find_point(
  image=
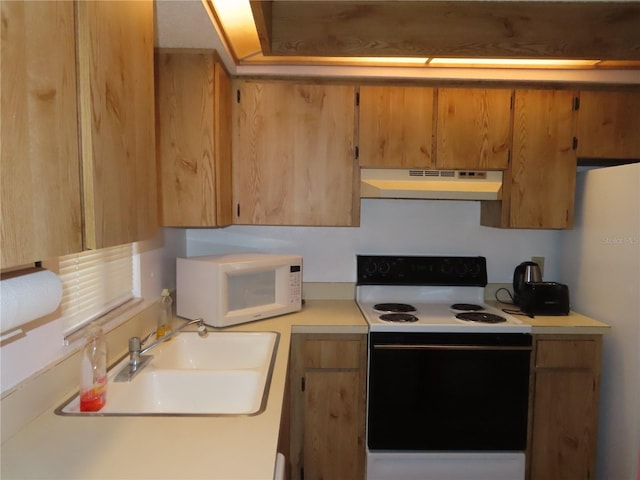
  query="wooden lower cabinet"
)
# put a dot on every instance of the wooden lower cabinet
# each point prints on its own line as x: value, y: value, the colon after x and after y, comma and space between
x: 327, y: 393
x: 566, y: 385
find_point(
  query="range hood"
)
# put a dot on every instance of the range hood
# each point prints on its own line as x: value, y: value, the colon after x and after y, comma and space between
x: 430, y: 184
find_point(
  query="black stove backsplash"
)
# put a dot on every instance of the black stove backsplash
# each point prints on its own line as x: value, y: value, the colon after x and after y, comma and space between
x: 421, y: 270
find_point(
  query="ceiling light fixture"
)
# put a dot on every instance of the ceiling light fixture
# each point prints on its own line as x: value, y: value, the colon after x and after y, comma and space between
x: 511, y: 62
x: 236, y: 20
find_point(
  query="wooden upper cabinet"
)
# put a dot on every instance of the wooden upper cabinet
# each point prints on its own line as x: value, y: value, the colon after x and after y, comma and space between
x: 40, y: 166
x: 538, y: 188
x: 473, y: 128
x: 115, y: 65
x: 396, y: 127
x: 609, y: 125
x: 293, y: 154
x: 193, y: 103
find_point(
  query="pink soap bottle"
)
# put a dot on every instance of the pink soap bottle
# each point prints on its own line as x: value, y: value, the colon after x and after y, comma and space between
x: 93, y: 371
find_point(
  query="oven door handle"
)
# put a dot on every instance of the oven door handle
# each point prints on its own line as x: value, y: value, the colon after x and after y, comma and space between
x: 451, y: 347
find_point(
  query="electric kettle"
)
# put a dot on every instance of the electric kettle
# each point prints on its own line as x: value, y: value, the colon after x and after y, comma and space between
x: 526, y: 272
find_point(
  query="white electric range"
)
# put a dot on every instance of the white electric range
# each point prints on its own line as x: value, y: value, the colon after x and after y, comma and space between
x: 433, y: 309
x: 448, y: 375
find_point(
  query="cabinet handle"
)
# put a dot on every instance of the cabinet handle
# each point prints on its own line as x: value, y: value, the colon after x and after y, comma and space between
x: 576, y: 104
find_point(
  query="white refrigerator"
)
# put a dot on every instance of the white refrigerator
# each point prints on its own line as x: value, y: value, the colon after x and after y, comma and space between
x: 600, y: 261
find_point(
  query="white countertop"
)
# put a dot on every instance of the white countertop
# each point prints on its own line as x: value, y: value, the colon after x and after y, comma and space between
x: 218, y: 448
x: 222, y: 448
x: 571, y: 324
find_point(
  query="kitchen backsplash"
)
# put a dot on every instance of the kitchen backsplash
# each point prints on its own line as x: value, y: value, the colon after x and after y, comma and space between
x: 426, y: 227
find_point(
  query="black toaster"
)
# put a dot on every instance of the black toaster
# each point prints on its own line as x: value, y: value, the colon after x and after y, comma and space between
x: 544, y: 298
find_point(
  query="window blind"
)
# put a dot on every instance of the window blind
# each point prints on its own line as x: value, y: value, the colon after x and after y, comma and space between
x: 94, y: 283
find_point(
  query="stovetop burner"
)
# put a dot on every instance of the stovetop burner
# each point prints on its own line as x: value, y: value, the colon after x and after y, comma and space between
x: 466, y: 307
x: 394, y: 307
x: 481, y: 317
x: 399, y: 317
x: 438, y: 294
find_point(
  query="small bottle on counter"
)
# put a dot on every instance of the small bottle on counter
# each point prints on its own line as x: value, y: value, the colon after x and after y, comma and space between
x: 166, y: 313
x: 93, y: 371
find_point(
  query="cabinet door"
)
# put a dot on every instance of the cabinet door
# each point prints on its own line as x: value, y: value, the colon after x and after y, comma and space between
x: 396, y: 127
x: 294, y: 154
x: 608, y: 125
x: 194, y: 146
x: 328, y: 406
x: 40, y: 167
x: 473, y: 128
x: 115, y: 65
x: 538, y: 189
x: 565, y: 408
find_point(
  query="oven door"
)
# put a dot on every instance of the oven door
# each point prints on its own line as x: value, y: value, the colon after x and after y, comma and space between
x: 440, y: 392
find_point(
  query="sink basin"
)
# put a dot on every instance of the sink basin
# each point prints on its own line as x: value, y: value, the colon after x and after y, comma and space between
x: 196, y: 392
x: 218, y: 351
x: 226, y: 373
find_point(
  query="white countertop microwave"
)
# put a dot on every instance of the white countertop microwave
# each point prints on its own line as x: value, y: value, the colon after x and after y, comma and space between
x: 230, y: 289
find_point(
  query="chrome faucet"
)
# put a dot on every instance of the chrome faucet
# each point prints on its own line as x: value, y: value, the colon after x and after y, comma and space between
x: 137, y: 358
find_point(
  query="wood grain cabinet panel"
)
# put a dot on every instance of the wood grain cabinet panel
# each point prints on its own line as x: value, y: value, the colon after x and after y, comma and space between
x: 58, y: 198
x: 40, y: 167
x: 473, y: 129
x: 117, y: 118
x: 328, y: 383
x: 193, y: 101
x: 565, y: 407
x: 396, y: 127
x: 538, y: 188
x: 609, y: 125
x: 293, y: 154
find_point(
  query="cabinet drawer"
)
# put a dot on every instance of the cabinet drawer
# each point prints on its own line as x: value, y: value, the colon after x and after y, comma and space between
x: 566, y: 353
x: 332, y: 354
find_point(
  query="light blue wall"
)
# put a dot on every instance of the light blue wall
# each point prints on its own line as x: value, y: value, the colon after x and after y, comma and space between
x: 427, y: 227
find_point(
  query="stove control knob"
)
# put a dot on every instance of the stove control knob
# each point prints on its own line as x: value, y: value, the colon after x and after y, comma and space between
x: 370, y: 267
x: 384, y: 268
x: 474, y: 270
x: 446, y: 267
x: 461, y: 269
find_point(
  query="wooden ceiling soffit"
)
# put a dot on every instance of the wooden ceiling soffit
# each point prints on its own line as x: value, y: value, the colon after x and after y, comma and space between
x: 492, y: 29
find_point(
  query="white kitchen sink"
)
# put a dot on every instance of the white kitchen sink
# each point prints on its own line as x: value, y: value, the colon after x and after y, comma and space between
x: 226, y: 373
x: 218, y: 351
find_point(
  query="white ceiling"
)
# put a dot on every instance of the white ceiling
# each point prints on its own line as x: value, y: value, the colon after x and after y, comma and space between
x: 186, y: 24
x: 183, y: 24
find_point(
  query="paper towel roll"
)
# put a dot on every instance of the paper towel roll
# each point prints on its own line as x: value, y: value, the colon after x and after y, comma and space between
x: 27, y: 297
